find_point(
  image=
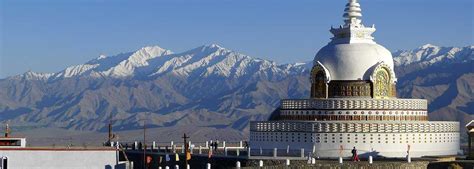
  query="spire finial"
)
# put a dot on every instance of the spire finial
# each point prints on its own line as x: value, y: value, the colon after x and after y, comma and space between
x: 353, y: 31
x: 352, y: 14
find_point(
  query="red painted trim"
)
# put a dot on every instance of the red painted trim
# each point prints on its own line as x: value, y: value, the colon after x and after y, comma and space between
x: 13, y: 137
x: 56, y: 149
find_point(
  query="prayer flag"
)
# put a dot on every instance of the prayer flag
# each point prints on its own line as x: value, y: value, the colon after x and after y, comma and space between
x: 188, y: 155
x: 210, y: 153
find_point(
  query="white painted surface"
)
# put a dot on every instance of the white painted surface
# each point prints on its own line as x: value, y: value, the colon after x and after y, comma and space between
x: 67, y: 159
x: 440, y: 145
x: 352, y: 61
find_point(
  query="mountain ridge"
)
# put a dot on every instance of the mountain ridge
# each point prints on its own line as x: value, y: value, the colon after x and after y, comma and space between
x: 209, y: 87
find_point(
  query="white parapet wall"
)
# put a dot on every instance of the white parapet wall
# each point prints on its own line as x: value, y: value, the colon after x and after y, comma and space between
x: 385, y: 145
x: 54, y: 158
x: 385, y: 139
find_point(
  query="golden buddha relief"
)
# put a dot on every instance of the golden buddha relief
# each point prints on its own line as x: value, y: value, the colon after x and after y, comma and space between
x: 318, y: 83
x: 382, y: 83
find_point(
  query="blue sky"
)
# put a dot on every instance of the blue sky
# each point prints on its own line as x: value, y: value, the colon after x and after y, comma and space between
x: 47, y: 36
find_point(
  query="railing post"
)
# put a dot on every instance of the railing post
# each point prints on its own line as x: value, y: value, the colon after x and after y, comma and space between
x: 200, y: 150
x: 370, y: 160
x: 223, y: 143
x: 260, y: 163
x: 340, y: 160
x: 237, y: 152
x: 302, y: 152
x: 287, y: 162
x: 225, y: 151
x: 240, y: 144
x: 261, y: 152
x: 153, y: 146
x: 275, y: 151
x: 237, y: 165
x: 208, y: 166
x: 248, y: 152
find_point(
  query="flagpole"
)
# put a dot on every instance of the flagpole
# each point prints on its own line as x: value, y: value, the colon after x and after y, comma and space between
x: 144, y: 142
x: 186, y: 146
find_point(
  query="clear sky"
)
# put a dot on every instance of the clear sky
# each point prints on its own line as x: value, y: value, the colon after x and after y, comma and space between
x: 49, y: 35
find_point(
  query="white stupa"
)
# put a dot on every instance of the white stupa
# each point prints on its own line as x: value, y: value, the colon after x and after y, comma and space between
x: 353, y: 103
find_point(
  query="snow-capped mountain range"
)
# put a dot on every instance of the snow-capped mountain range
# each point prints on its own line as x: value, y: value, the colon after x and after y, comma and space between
x: 211, y: 59
x: 430, y: 54
x: 154, y: 61
x: 210, y: 87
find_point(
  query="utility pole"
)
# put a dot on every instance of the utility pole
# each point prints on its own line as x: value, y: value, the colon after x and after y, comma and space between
x: 144, y: 143
x: 186, y: 147
x: 7, y: 131
x: 109, y: 139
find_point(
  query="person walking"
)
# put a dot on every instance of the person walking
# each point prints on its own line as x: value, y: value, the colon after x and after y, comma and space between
x: 355, y: 156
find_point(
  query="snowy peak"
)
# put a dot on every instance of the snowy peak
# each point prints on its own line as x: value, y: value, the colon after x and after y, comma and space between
x: 140, y: 57
x: 427, y: 46
x: 213, y: 60
x: 136, y: 60
x: 34, y: 76
x: 77, y: 70
x: 102, y: 56
x: 206, y: 50
x: 212, y: 46
x: 431, y: 54
x: 118, y: 66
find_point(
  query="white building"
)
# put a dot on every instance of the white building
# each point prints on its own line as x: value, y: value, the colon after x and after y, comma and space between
x: 353, y: 104
x: 15, y: 155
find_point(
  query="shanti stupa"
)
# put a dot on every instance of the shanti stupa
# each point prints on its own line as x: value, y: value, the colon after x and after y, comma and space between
x: 353, y: 103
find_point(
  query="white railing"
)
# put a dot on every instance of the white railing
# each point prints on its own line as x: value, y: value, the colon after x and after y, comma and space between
x: 354, y: 127
x: 360, y: 103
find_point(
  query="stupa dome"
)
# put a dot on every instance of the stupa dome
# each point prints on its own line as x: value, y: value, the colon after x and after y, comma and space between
x: 353, y: 61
